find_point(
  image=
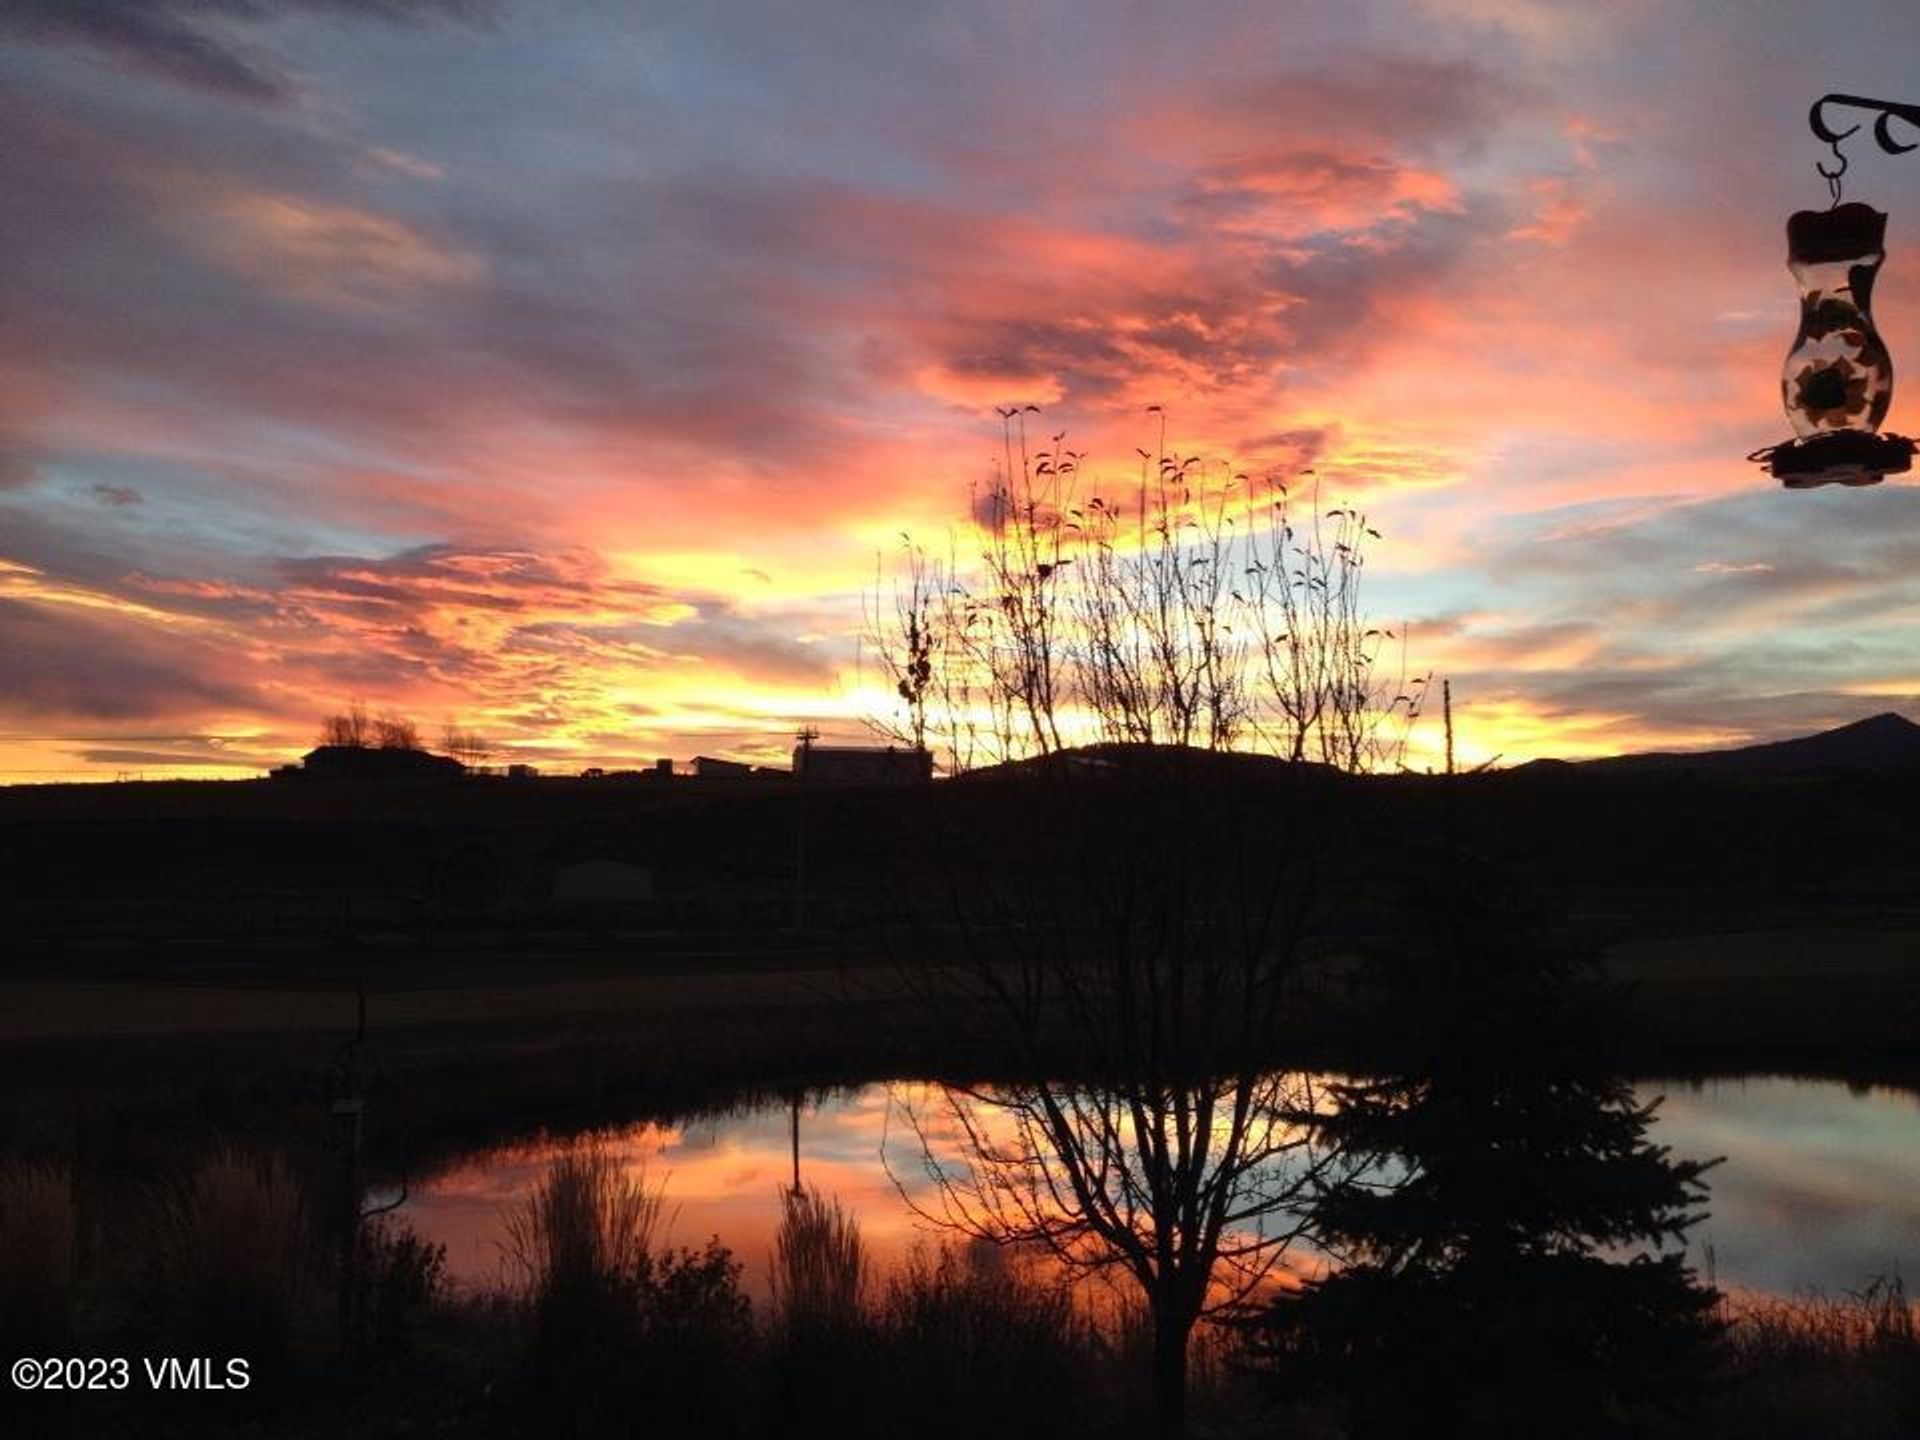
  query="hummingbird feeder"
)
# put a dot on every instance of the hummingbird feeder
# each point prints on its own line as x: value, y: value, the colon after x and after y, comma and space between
x: 1837, y: 381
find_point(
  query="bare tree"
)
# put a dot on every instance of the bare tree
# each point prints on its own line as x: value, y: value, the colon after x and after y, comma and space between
x: 354, y: 729
x: 394, y: 732
x: 1197, y: 605
x: 1135, y: 902
x: 912, y: 615
x: 349, y: 728
x: 469, y: 747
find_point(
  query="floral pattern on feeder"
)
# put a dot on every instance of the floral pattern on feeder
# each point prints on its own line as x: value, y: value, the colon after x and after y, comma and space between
x: 1838, y: 378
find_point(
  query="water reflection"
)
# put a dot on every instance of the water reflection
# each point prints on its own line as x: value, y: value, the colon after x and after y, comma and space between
x: 723, y: 1174
x: 1817, y: 1191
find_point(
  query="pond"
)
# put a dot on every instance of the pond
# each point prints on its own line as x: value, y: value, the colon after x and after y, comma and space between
x: 1817, y: 1191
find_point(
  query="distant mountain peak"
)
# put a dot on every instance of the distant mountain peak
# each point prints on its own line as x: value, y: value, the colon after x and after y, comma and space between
x: 1887, y: 722
x: 1887, y: 741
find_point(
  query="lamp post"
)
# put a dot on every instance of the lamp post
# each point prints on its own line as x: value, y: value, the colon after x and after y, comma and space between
x: 1837, y: 382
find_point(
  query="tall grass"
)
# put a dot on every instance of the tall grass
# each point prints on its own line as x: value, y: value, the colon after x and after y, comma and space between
x: 1823, y: 1365
x: 822, y: 1376
x: 38, y: 1236
x: 582, y: 1246
x: 965, y: 1341
x: 586, y: 1223
x: 1878, y: 1319
x: 977, y: 1342
x: 231, y: 1244
x: 976, y: 1297
x: 819, y: 1266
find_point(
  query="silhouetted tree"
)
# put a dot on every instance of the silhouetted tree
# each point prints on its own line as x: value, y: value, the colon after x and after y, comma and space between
x: 1137, y: 951
x: 1195, y: 605
x: 354, y: 729
x: 467, y: 746
x: 1135, y: 930
x: 1504, y: 1269
x: 395, y: 732
x: 350, y: 728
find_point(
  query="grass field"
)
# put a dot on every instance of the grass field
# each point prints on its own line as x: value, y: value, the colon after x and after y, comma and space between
x: 1838, y: 989
x: 469, y: 1051
x: 1835, y: 994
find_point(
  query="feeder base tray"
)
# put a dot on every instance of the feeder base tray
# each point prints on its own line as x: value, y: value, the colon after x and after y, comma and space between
x: 1839, y: 457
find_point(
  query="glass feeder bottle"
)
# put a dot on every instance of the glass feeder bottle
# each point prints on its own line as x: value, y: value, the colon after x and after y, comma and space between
x: 1838, y: 375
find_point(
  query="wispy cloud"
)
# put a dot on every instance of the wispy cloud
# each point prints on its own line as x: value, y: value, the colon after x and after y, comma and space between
x: 200, y: 43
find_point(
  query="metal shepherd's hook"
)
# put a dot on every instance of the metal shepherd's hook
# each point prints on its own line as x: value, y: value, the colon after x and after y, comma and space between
x: 1885, y: 113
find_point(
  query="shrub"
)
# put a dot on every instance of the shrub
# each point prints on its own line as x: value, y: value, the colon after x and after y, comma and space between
x: 696, y: 1344
x: 402, y: 1279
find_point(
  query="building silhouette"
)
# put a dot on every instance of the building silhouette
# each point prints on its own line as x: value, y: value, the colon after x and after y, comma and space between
x: 860, y: 764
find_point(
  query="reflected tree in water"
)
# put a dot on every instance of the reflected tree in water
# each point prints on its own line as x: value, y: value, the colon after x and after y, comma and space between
x: 1174, y: 1156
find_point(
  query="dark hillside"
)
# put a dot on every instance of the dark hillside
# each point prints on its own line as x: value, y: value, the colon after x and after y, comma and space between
x: 1802, y: 830
x: 1880, y: 743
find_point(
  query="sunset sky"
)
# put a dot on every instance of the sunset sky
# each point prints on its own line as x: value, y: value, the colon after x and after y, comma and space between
x: 561, y: 368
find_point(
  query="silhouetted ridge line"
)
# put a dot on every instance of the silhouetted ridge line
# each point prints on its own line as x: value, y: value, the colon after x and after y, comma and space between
x: 1880, y: 742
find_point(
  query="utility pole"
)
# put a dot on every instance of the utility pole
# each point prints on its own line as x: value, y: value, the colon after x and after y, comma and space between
x: 1449, y: 822
x: 806, y: 736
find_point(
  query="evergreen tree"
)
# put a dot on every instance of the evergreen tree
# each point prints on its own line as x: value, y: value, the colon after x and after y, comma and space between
x: 1505, y: 1261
